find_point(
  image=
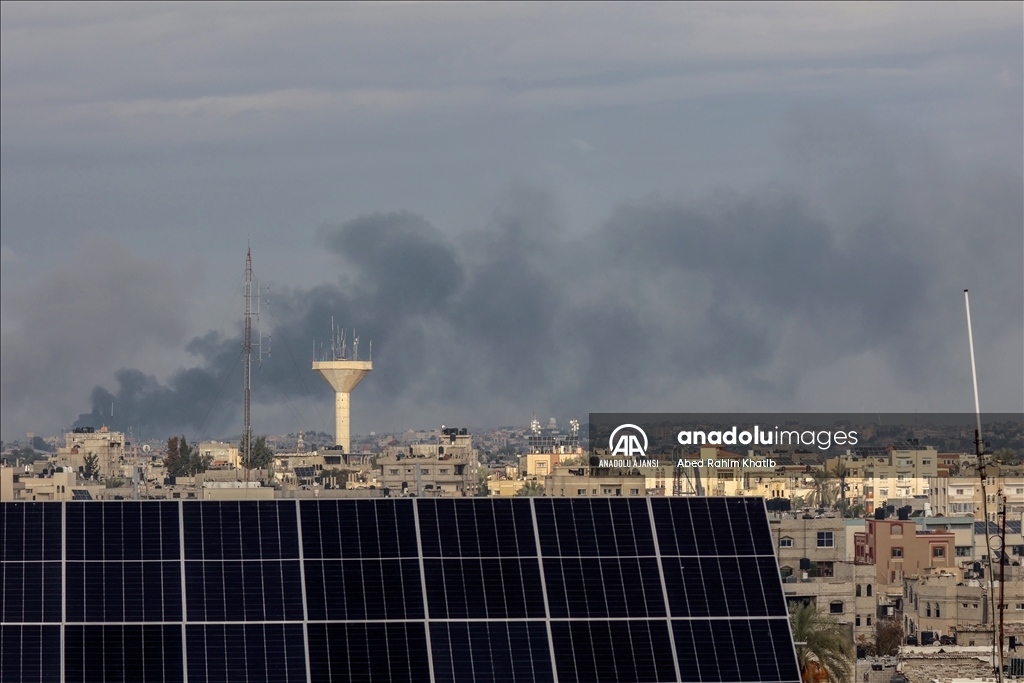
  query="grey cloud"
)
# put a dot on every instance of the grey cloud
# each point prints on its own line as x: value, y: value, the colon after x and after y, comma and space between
x: 81, y: 320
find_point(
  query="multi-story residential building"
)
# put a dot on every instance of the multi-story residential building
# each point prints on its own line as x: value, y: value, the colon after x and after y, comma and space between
x: 899, y: 473
x: 815, y: 559
x: 942, y: 602
x: 448, y: 468
x: 572, y: 482
x: 897, y: 548
x: 221, y: 454
x: 107, y: 447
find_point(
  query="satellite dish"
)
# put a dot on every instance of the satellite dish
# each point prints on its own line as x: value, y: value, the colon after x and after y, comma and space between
x: 146, y: 448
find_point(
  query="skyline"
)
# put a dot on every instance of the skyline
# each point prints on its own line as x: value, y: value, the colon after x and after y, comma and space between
x: 528, y: 209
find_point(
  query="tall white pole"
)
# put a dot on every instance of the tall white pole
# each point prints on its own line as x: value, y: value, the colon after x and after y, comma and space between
x: 997, y: 644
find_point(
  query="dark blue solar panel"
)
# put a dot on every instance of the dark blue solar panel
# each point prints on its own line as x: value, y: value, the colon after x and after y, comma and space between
x: 355, y: 598
x: 612, y: 651
x: 466, y: 652
x: 123, y: 591
x: 30, y: 592
x: 476, y: 528
x: 573, y: 527
x: 353, y: 529
x: 30, y: 654
x: 735, y: 650
x: 123, y: 531
x: 244, y: 591
x: 601, y: 587
x: 484, y: 588
x: 240, y: 530
x: 339, y: 590
x: 383, y: 651
x: 30, y: 532
x: 122, y: 654
x: 230, y: 653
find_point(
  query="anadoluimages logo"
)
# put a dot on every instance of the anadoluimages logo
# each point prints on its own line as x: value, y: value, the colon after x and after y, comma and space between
x: 625, y: 442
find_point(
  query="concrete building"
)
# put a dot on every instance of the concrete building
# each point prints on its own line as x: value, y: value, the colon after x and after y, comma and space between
x: 222, y: 454
x: 572, y: 482
x: 449, y: 468
x: 897, y: 548
x: 939, y: 603
x: 106, y: 446
x: 900, y: 473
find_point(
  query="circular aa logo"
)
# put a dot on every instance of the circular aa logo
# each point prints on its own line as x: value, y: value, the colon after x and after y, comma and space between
x: 628, y: 444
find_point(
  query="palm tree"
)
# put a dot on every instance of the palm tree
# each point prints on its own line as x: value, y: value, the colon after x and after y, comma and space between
x: 824, y: 493
x: 531, y: 488
x: 821, y: 645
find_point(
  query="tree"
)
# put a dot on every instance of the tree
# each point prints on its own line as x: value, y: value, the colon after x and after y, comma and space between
x: 1005, y: 456
x: 531, y: 488
x: 888, y: 636
x: 824, y: 493
x: 183, y: 459
x: 92, y: 466
x: 260, y: 457
x: 824, y: 644
x: 482, y: 476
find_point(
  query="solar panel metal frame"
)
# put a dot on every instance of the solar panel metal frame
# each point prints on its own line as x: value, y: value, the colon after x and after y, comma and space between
x: 393, y: 589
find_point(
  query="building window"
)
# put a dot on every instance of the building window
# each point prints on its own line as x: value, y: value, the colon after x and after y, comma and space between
x: 938, y: 551
x: 1018, y: 606
x: 883, y: 492
x: 858, y: 591
x: 857, y: 621
x: 581, y: 492
x: 394, y: 471
x: 927, y: 609
x: 897, y: 529
x: 836, y: 607
x: 869, y: 595
x: 937, y: 613
x: 785, y: 542
x: 825, y: 539
x: 959, y: 492
x: 963, y: 551
x: 897, y: 552
x: 869, y: 621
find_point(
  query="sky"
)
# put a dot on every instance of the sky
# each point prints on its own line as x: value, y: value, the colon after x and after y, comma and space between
x: 529, y: 209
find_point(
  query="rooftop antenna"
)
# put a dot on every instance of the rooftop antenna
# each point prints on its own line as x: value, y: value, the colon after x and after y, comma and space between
x: 979, y: 450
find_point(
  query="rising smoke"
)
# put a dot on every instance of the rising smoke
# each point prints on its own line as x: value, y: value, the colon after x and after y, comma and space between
x: 751, y: 291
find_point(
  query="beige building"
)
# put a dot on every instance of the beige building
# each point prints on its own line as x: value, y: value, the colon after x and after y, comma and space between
x: 572, y: 482
x: 899, y: 474
x: 106, y: 446
x: 222, y: 454
x: 449, y: 468
x: 944, y: 603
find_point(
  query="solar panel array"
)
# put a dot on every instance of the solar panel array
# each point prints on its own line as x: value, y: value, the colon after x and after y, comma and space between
x: 526, y: 589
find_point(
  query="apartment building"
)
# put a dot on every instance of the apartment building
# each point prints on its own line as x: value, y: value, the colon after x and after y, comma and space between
x: 448, y: 468
x: 897, y: 548
x: 107, y: 447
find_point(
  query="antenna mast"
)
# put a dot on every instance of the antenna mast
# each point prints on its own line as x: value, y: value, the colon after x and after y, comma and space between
x: 979, y: 449
x: 247, y: 427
